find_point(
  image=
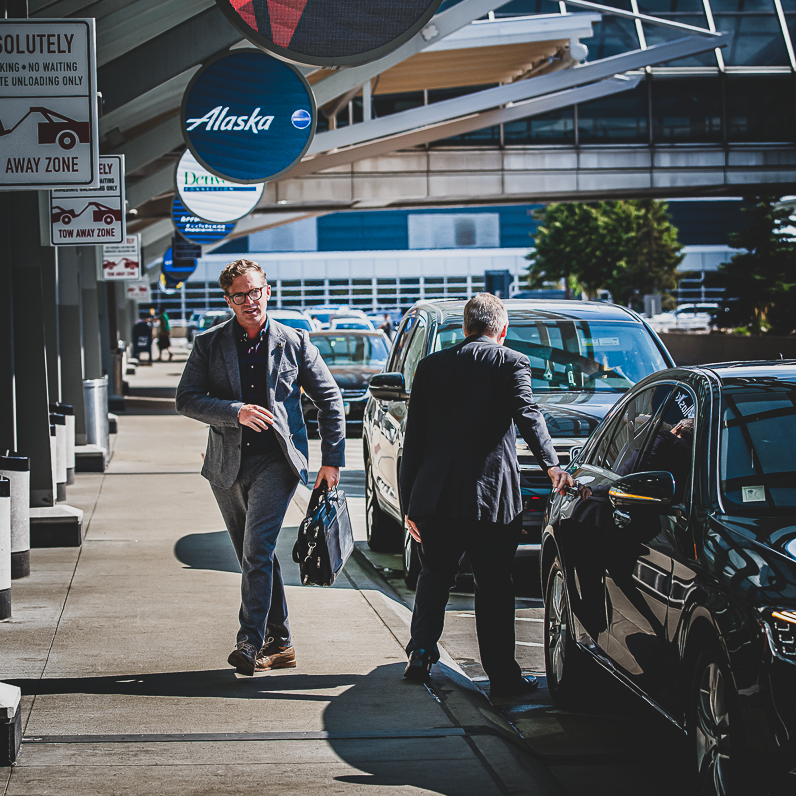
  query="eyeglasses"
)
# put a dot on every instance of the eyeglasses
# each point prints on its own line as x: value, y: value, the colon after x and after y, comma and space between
x: 255, y: 294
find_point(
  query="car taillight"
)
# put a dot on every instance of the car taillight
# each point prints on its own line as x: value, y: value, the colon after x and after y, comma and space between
x: 783, y: 630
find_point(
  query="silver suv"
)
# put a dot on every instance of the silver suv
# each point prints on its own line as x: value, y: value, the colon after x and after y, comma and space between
x: 584, y: 355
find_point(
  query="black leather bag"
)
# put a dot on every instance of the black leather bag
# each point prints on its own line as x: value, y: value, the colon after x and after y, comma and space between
x: 325, y: 539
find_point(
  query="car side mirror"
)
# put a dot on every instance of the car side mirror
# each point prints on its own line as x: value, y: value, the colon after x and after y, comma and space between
x: 388, y: 387
x: 574, y: 452
x: 653, y: 489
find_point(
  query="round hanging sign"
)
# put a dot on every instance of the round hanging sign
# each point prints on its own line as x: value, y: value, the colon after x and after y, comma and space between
x: 213, y: 198
x: 247, y: 117
x: 196, y: 229
x: 329, y: 32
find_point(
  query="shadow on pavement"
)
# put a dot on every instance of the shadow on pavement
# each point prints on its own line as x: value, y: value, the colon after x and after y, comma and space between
x: 207, y: 551
x: 209, y: 683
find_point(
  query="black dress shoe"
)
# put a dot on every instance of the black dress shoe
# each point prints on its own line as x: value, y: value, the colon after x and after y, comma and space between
x: 419, y: 666
x: 525, y: 685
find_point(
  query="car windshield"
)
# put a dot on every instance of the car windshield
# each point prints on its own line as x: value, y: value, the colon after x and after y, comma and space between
x: 576, y: 356
x: 351, y: 349
x: 758, y: 446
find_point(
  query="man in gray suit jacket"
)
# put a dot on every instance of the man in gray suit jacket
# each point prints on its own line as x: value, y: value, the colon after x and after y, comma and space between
x: 244, y: 380
x: 460, y: 484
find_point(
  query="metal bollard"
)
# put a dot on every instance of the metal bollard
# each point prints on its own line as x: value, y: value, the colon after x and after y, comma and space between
x: 5, y: 549
x: 16, y: 469
x: 59, y: 421
x: 95, y: 396
x: 69, y: 413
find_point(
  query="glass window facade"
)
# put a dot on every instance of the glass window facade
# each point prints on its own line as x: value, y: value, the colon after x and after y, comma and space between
x: 686, y: 110
x: 758, y: 39
x: 620, y: 119
x: 761, y: 108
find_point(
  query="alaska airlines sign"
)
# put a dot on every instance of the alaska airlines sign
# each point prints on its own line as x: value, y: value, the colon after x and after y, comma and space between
x: 247, y: 117
x: 328, y: 32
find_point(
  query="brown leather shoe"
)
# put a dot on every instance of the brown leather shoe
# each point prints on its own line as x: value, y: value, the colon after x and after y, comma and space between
x: 243, y: 658
x: 271, y: 657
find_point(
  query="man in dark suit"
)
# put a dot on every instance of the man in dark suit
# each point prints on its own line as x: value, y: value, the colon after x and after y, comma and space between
x: 244, y: 379
x: 460, y: 485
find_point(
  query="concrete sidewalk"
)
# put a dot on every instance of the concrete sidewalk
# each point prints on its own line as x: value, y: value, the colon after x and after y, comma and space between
x: 120, y: 650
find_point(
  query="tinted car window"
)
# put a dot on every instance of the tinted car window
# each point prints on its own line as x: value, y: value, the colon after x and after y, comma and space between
x: 758, y: 447
x: 623, y: 444
x: 399, y: 347
x: 416, y: 351
x: 569, y: 355
x: 296, y: 323
x: 351, y: 349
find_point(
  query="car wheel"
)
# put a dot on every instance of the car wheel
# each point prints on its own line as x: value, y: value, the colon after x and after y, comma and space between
x: 66, y: 139
x: 66, y: 219
x: 108, y: 219
x: 565, y: 662
x: 382, y: 530
x: 714, y: 726
x: 411, y: 559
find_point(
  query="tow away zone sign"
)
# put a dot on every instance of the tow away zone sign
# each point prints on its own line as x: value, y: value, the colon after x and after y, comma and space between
x: 91, y: 216
x: 48, y: 104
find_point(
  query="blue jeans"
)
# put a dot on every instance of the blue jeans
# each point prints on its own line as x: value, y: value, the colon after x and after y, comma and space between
x: 253, y: 509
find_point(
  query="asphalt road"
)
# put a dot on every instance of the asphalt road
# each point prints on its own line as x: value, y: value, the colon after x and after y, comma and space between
x: 616, y: 744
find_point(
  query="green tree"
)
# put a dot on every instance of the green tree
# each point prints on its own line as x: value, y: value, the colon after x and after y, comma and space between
x: 760, y: 282
x: 628, y: 247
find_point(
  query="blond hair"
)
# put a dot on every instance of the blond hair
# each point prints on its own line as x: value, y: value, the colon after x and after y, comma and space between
x: 235, y: 269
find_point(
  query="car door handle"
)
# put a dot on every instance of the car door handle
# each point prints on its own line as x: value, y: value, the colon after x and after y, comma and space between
x: 621, y: 518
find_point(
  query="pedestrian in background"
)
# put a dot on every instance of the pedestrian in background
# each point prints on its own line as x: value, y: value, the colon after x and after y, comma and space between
x: 460, y: 484
x: 245, y: 378
x: 386, y: 326
x: 164, y: 335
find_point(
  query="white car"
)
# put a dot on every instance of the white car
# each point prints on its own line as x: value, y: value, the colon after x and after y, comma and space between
x: 294, y: 318
x: 687, y: 317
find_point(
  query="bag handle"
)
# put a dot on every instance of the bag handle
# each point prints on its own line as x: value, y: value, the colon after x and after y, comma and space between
x: 315, y: 499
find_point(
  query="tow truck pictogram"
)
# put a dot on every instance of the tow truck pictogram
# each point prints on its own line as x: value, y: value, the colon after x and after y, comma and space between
x: 125, y: 262
x: 58, y: 129
x: 102, y: 213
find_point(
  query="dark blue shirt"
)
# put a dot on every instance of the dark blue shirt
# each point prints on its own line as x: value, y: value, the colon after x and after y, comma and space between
x: 253, y: 369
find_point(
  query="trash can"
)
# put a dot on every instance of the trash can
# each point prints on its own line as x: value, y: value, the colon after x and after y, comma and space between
x: 5, y: 549
x: 59, y: 421
x: 69, y: 413
x: 95, y: 398
x: 16, y: 469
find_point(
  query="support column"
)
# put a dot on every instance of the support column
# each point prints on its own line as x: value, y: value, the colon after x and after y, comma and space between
x: 30, y: 355
x: 70, y: 328
x: 49, y: 270
x: 90, y: 310
x: 8, y: 417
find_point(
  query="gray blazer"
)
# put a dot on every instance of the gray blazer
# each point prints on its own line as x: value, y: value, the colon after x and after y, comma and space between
x: 210, y: 392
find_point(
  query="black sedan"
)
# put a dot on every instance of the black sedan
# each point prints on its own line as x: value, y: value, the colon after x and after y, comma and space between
x: 353, y: 357
x: 673, y: 565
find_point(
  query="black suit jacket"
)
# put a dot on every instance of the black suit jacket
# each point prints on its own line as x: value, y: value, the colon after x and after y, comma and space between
x: 459, y: 459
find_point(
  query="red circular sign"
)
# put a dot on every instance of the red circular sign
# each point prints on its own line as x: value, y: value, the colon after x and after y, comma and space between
x: 329, y: 32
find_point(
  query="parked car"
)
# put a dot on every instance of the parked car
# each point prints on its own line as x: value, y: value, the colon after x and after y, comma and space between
x: 293, y: 318
x: 351, y: 322
x: 353, y: 357
x: 674, y: 565
x: 212, y: 318
x: 323, y: 313
x: 584, y: 356
x: 193, y: 325
x: 687, y: 317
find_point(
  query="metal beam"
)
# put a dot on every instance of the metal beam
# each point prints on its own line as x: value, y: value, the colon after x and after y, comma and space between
x: 151, y: 145
x: 140, y: 192
x: 664, y: 23
x: 165, y: 97
x: 513, y: 92
x: 446, y: 129
x: 164, y: 57
x: 441, y: 25
x: 136, y: 23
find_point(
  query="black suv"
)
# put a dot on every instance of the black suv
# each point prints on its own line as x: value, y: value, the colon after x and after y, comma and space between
x: 673, y: 565
x: 584, y: 356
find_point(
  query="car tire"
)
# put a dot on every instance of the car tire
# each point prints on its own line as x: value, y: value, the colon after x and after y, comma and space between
x: 381, y: 529
x: 565, y: 663
x: 411, y: 559
x: 66, y: 219
x: 714, y: 730
x: 66, y: 139
x: 108, y: 219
